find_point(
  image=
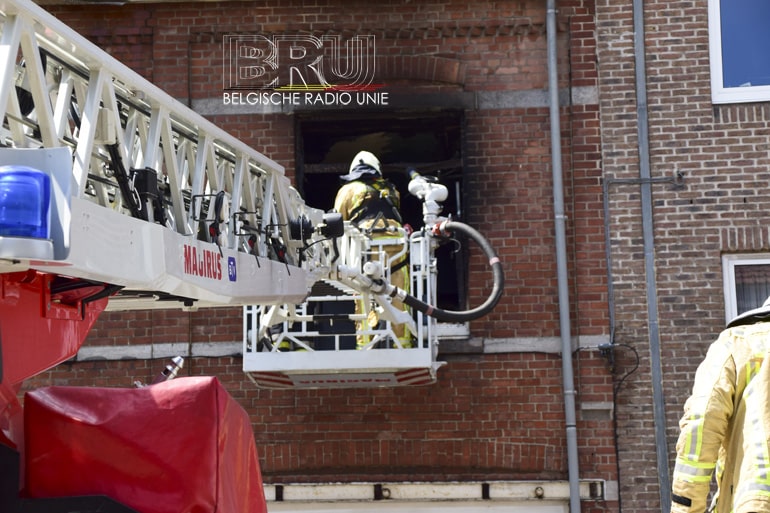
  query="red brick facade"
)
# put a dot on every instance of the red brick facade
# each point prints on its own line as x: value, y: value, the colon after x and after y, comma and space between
x: 492, y: 415
x: 719, y: 207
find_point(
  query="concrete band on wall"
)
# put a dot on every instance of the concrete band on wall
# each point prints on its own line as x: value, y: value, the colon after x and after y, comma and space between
x: 235, y: 349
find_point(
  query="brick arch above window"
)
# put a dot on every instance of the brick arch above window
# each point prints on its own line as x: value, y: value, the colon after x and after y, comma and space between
x: 420, y: 68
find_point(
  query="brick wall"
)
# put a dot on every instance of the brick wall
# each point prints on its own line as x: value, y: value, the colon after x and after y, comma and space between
x: 167, y: 326
x: 638, y: 479
x: 721, y: 151
x: 488, y: 418
x: 492, y: 415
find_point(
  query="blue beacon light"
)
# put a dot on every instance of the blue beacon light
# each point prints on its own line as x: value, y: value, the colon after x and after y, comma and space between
x: 25, y: 198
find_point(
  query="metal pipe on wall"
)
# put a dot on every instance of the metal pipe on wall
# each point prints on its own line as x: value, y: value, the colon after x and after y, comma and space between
x: 561, y: 262
x: 659, y: 414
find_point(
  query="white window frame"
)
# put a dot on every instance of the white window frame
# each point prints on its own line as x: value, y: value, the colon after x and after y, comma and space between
x: 728, y: 277
x: 719, y: 93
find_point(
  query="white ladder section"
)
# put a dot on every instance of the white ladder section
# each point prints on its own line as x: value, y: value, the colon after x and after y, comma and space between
x: 166, y: 231
x: 154, y: 199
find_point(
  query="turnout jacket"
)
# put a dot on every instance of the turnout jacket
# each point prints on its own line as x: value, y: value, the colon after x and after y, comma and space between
x: 369, y: 203
x: 726, y: 426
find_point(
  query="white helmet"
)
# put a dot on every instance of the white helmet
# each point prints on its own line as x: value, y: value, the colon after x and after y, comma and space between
x: 367, y: 159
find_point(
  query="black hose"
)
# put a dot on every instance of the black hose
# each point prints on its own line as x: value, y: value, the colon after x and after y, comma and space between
x: 492, y: 299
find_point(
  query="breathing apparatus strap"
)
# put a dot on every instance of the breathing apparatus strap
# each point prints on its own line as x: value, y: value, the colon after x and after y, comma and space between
x: 377, y: 203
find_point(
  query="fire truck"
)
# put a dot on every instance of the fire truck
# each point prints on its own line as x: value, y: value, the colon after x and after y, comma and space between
x: 115, y: 196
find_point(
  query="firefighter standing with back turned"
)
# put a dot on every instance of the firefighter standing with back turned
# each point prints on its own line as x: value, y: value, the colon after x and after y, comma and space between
x: 726, y: 423
x: 372, y: 203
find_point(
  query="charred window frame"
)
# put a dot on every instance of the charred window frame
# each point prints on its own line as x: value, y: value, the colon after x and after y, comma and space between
x: 432, y: 142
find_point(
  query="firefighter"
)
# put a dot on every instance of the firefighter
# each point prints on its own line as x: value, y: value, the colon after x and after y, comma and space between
x: 726, y: 423
x: 372, y: 203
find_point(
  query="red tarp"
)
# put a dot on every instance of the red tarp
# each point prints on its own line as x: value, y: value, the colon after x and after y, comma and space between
x: 184, y: 445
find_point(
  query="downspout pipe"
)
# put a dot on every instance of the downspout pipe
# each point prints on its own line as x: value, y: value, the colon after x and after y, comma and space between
x: 659, y: 414
x: 561, y: 263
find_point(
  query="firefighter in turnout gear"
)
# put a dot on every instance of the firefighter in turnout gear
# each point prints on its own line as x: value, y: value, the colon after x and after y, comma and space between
x: 372, y: 203
x: 726, y: 423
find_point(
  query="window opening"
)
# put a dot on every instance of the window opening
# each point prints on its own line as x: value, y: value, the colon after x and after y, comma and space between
x: 738, y: 42
x: 746, y: 282
x: 431, y: 142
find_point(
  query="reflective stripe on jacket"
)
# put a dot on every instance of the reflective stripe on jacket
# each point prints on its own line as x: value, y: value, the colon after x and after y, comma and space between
x: 726, y: 426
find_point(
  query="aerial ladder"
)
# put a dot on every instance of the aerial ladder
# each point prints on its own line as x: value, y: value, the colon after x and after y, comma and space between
x: 115, y: 196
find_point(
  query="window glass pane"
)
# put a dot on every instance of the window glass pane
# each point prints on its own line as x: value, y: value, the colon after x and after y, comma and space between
x: 752, y: 286
x: 745, y: 42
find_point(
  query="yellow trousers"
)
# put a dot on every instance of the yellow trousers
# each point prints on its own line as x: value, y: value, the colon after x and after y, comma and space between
x: 398, y: 278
